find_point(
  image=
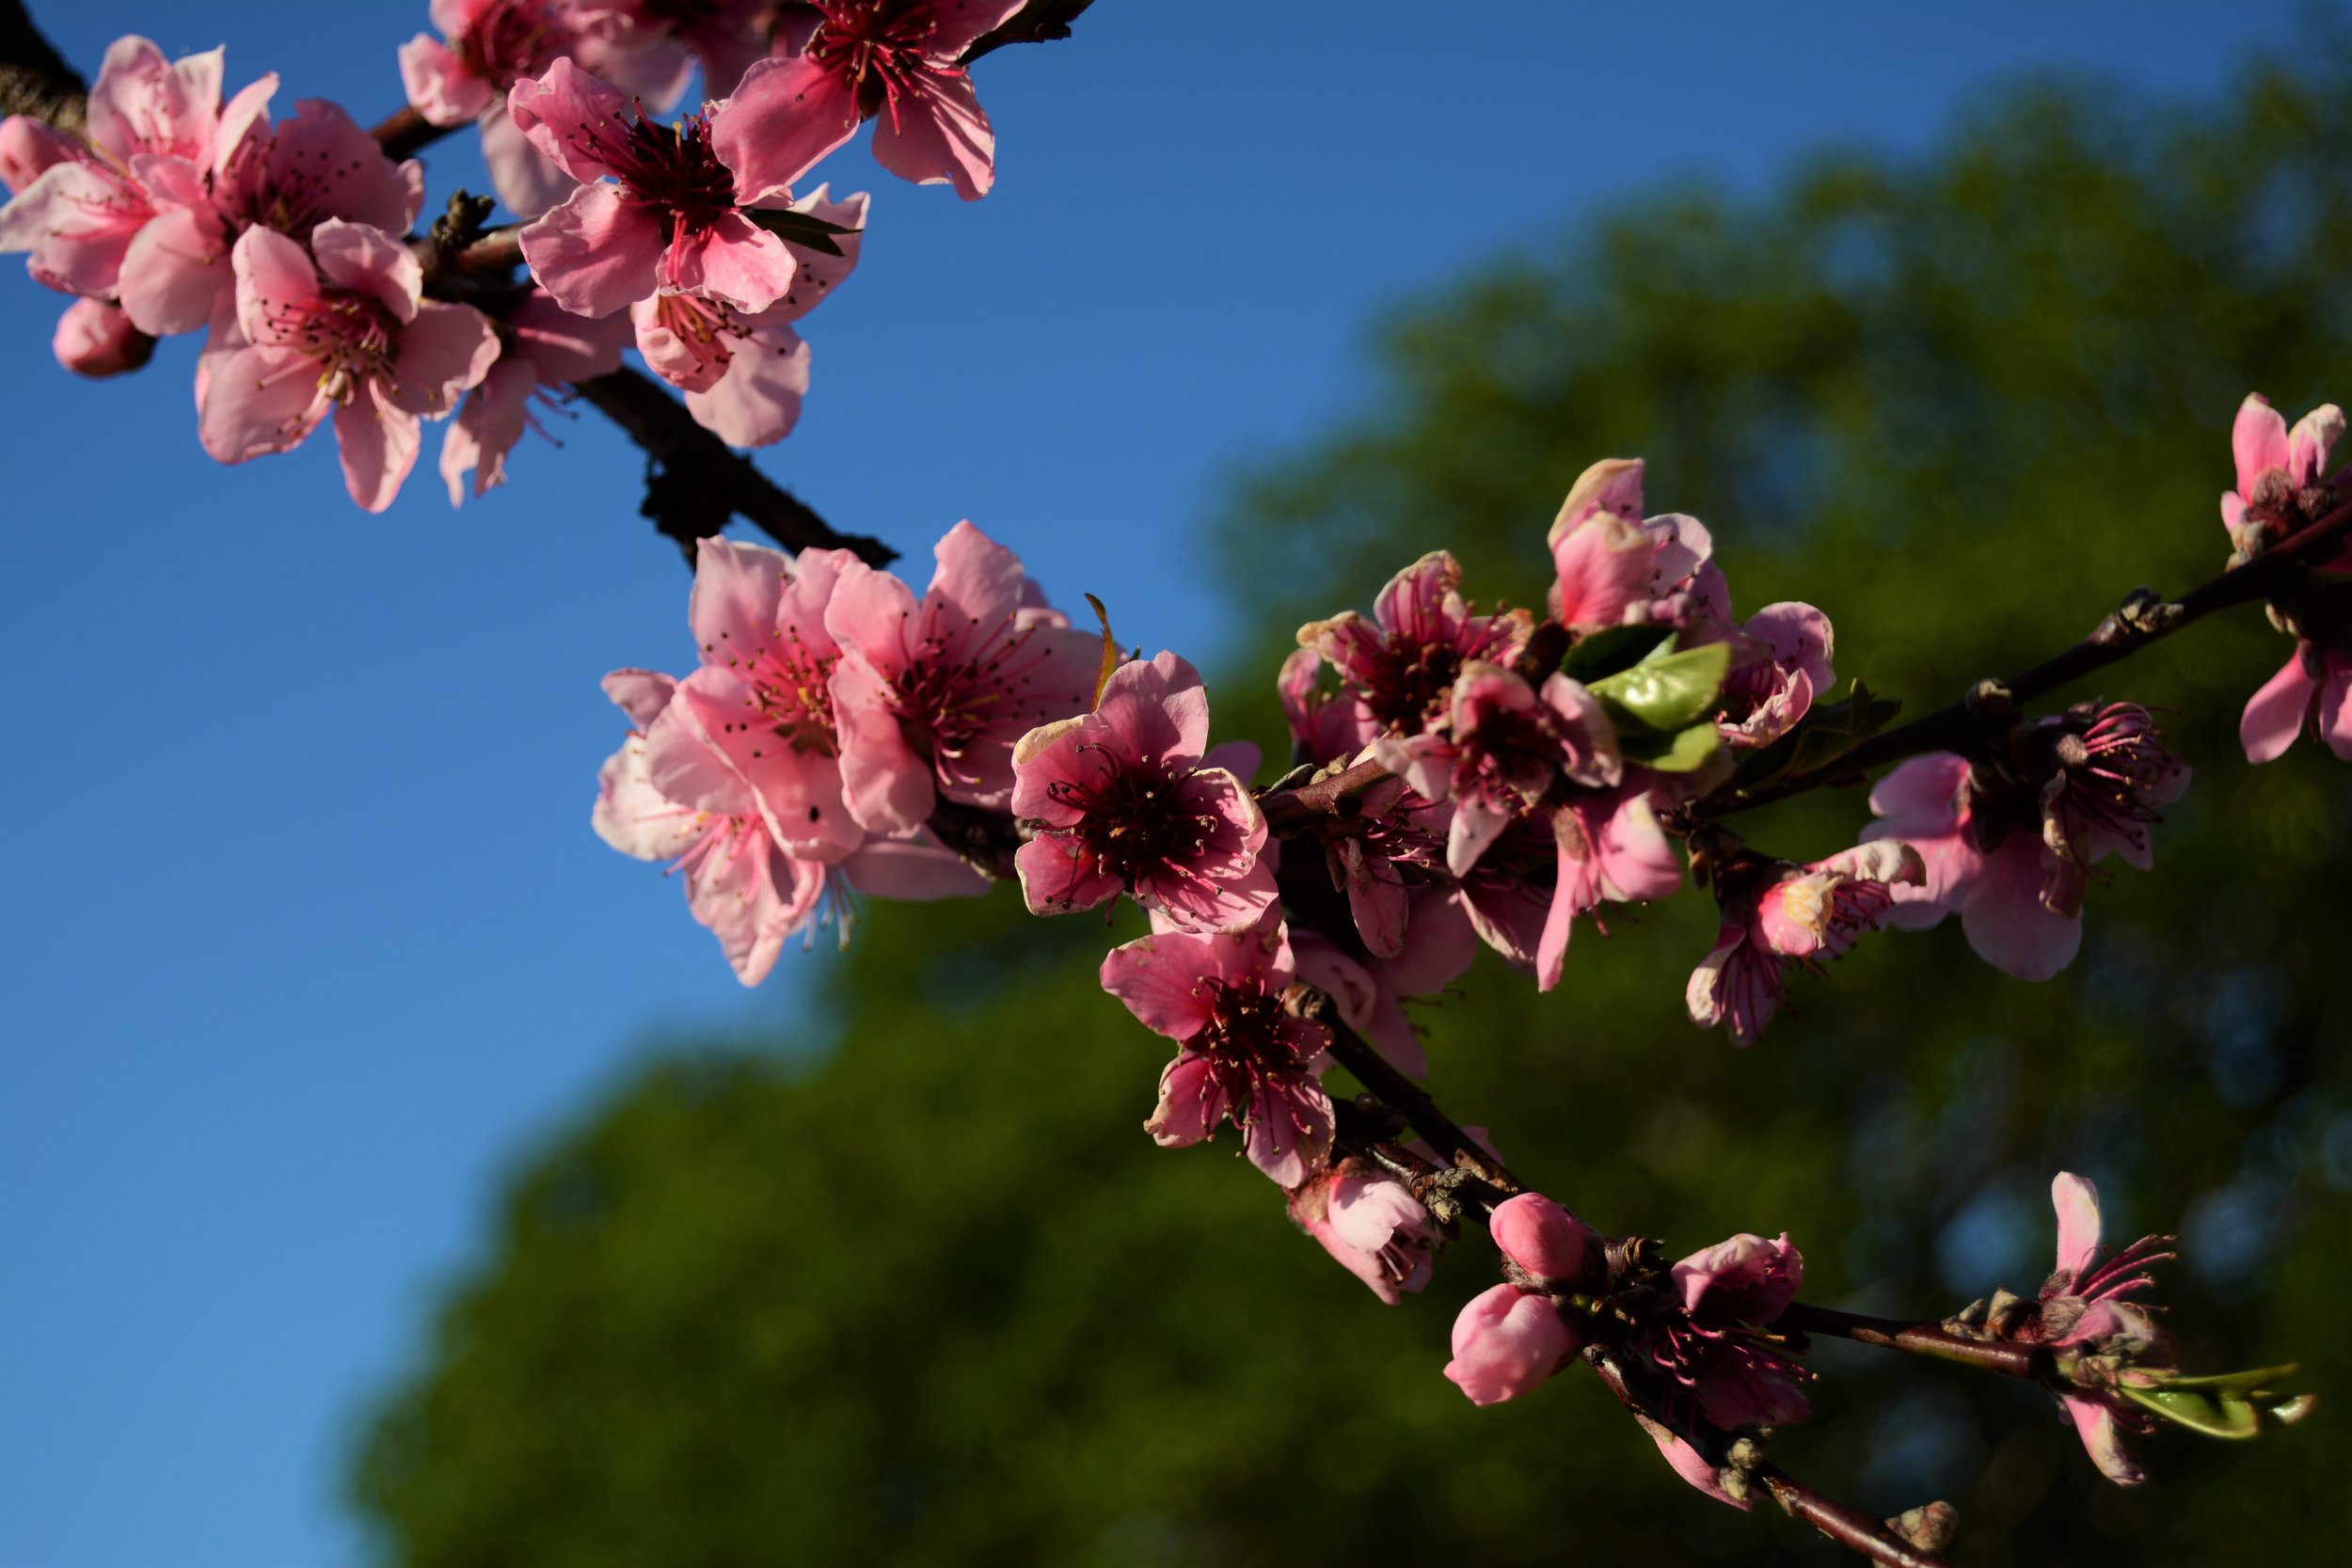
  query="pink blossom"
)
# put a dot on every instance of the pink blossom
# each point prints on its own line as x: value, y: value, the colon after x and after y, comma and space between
x: 1391, y: 850
x: 1403, y: 661
x: 96, y: 339
x: 2281, y: 476
x: 745, y: 373
x: 546, y: 346
x: 1745, y: 1279
x: 2084, y: 1312
x: 657, y: 209
x: 177, y: 272
x: 1610, y: 848
x: 930, y: 695
x: 891, y: 61
x: 1501, y: 751
x: 1545, y: 1244
x: 2312, y: 690
x: 2011, y: 847
x: 725, y: 38
x: 1119, y: 800
x: 1780, y: 917
x: 1701, y: 1346
x: 1364, y: 996
x: 1243, y: 1056
x: 1324, y: 726
x: 28, y: 147
x: 348, y: 336
x: 1612, y: 567
x: 1371, y: 1223
x: 1782, y: 663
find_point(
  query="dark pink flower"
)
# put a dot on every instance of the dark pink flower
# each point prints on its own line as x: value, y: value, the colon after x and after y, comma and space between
x: 1745, y: 1279
x: 891, y: 61
x: 1614, y: 567
x: 1364, y: 995
x: 1244, y: 1055
x: 1385, y: 858
x: 657, y: 209
x: 745, y: 373
x: 2312, y: 691
x: 1781, y: 663
x: 349, y: 336
x: 1610, y: 848
x: 96, y: 339
x: 1700, y: 1349
x: 1119, y: 798
x: 1324, y: 726
x: 2011, y: 845
x: 546, y: 347
x: 2083, y: 1313
x: 1779, y: 916
x: 1514, y: 1336
x: 930, y: 695
x: 1371, y: 1223
x: 1498, y: 751
x: 1403, y: 661
x: 2283, y: 485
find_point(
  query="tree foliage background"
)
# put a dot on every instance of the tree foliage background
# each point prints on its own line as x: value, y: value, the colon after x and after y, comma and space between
x: 907, y: 1284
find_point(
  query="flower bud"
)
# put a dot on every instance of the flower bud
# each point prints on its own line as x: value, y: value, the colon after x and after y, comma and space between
x: 95, y: 339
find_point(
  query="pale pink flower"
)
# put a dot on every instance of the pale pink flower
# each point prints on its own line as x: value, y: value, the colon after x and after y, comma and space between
x: 1502, y: 748
x: 1781, y: 661
x: 1614, y: 567
x: 1119, y: 798
x: 657, y: 209
x: 1610, y: 848
x: 1403, y: 661
x: 891, y: 61
x: 96, y: 339
x: 1510, y: 1338
x: 745, y: 373
x: 546, y: 347
x: 930, y: 695
x: 1371, y: 1223
x: 1244, y: 1055
x: 1779, y: 916
x: 2282, y: 485
x: 348, y: 336
x: 2312, y: 690
x: 178, y: 274
x: 2013, y: 851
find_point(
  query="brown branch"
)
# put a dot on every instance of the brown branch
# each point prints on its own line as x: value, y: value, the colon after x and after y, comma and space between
x: 2031, y: 1362
x: 34, y: 78
x: 2140, y: 620
x: 404, y: 133
x: 1848, y: 1528
x: 695, y: 481
x: 1331, y: 796
x: 1413, y: 1103
x: 1039, y: 21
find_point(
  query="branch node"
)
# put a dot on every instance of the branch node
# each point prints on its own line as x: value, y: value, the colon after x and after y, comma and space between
x: 1988, y: 699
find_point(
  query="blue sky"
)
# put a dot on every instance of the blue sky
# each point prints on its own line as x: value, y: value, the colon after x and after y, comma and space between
x: 305, y: 939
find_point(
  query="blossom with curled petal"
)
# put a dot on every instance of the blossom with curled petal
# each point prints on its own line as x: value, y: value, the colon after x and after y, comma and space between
x: 1244, y: 1055
x: 930, y: 694
x: 890, y: 61
x: 2312, y: 691
x: 1780, y: 917
x: 2084, y: 1312
x: 1401, y: 663
x: 1782, y: 662
x: 2282, y: 482
x: 1612, y: 566
x: 348, y: 335
x: 1700, y: 1347
x: 1121, y: 799
x: 1371, y: 1223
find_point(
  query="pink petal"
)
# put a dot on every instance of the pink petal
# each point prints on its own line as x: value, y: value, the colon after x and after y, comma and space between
x: 960, y: 23
x: 1160, y: 979
x: 1604, y: 567
x: 2334, y: 714
x: 2258, y: 439
x: 96, y: 339
x: 28, y: 147
x: 682, y: 764
x: 378, y: 446
x: 2005, y: 918
x: 2102, y: 1440
x: 890, y: 790
x: 973, y: 594
x: 871, y: 611
x: 2310, y: 441
x: 935, y: 133
x: 1289, y: 1131
x: 2077, y: 1204
x: 782, y: 116
x: 368, y: 262
x: 816, y: 274
x: 259, y: 400
x: 2274, y: 714
x: 1158, y: 708
x: 275, y: 285
x: 636, y: 819
x: 1060, y: 876
x: 738, y: 592
x: 571, y: 117
x: 732, y: 259
x: 597, y: 253
x: 527, y: 180
x: 447, y: 349
x: 914, y: 871
x: 1505, y: 1342
x: 176, y: 268
x: 640, y: 693
x: 758, y: 402
x: 1191, y: 1104
x: 1441, y: 941
x: 564, y: 347
x: 1541, y: 1237
x: 439, y: 85
x: 488, y: 423
x: 1690, y: 1466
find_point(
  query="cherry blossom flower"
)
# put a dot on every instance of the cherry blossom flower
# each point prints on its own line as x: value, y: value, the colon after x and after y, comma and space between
x: 2283, y: 485
x: 745, y: 373
x: 1744, y: 1279
x: 96, y: 339
x: 1780, y: 917
x: 1119, y: 798
x: 2312, y: 690
x: 724, y: 37
x: 177, y: 277
x: 1502, y: 748
x: 546, y: 346
x: 1323, y: 724
x: 2085, y: 1313
x: 1511, y: 1337
x: 1389, y: 850
x: 1244, y: 1055
x: 657, y: 209
x: 1370, y: 1222
x: 1783, y: 663
x: 891, y: 61
x: 347, y: 336
x: 1610, y: 848
x: 2011, y: 847
x: 1699, y: 1348
x: 1614, y: 567
x: 1403, y: 661
x: 930, y: 695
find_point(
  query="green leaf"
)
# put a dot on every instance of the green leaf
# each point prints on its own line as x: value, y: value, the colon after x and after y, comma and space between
x: 2226, y: 1417
x: 804, y: 230
x: 1667, y: 692
x: 2257, y: 1381
x: 1606, y: 651
x: 1686, y: 750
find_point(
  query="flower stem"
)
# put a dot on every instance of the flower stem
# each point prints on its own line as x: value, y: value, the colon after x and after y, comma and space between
x: 1920, y: 1338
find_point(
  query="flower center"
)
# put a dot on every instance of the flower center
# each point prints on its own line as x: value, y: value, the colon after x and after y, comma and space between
x: 880, y: 45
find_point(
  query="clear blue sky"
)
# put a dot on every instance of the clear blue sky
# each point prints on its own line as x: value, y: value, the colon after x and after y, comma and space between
x: 306, y: 941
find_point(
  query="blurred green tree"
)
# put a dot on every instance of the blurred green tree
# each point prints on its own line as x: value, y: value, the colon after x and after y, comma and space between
x: 913, y: 1288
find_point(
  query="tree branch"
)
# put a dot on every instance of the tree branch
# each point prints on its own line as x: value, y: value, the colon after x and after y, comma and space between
x: 34, y: 78
x: 1039, y: 21
x: 2029, y: 1362
x: 404, y: 133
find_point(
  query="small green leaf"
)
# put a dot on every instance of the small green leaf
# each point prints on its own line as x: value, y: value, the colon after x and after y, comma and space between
x: 2226, y: 1417
x: 805, y: 229
x: 1667, y: 692
x: 2253, y: 1382
x: 1606, y: 651
x: 1686, y: 750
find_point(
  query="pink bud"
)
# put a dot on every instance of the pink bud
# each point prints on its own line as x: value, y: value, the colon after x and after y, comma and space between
x: 1505, y: 1342
x: 1745, y: 1279
x: 1541, y: 1237
x: 96, y: 339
